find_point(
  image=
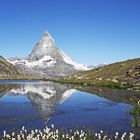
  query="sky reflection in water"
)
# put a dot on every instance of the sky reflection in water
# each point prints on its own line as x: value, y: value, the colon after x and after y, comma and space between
x: 37, y: 104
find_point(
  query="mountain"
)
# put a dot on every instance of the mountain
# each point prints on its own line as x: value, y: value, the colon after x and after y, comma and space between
x: 124, y: 74
x: 47, y: 60
x: 7, y: 70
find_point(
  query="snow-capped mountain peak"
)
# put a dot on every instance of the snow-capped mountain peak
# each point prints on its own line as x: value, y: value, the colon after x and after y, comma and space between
x: 45, y: 46
x: 47, y: 60
x: 47, y: 36
x: 47, y: 41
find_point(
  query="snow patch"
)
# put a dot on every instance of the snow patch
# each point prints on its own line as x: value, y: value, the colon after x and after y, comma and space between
x: 46, y: 61
x: 68, y: 60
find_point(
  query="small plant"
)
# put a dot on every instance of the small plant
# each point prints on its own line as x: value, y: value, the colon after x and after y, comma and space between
x: 135, y: 121
x: 136, y: 116
x: 55, y: 134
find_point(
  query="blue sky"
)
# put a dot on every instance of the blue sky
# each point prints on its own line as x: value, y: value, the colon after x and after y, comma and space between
x: 90, y: 31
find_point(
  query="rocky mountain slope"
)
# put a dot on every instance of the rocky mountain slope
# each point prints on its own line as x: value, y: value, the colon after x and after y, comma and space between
x: 46, y: 60
x: 124, y: 74
x: 8, y: 71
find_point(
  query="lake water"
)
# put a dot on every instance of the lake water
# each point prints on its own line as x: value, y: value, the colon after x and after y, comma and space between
x: 35, y: 104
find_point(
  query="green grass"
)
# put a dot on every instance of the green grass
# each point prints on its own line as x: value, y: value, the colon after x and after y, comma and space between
x: 113, y: 75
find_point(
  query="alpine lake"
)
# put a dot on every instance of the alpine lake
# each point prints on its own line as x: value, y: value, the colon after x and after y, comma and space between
x: 37, y: 104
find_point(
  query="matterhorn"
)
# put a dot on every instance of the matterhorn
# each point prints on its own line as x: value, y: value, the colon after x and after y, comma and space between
x: 46, y: 60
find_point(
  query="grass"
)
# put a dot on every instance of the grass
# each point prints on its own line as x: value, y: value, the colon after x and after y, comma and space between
x: 123, y: 75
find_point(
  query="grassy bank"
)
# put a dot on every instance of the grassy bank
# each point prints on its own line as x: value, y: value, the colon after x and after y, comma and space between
x: 122, y: 75
x: 103, y: 83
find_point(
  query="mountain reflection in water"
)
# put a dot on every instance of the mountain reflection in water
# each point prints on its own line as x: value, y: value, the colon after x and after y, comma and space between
x: 43, y: 95
x: 35, y: 104
x: 23, y: 102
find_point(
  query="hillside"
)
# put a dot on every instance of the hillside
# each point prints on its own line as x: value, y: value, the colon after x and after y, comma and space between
x: 9, y: 71
x: 124, y: 74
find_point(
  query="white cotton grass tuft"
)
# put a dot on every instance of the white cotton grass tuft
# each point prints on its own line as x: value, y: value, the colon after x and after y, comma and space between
x: 55, y: 134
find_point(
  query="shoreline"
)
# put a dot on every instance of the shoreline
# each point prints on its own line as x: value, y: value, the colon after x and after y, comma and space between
x: 108, y: 84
